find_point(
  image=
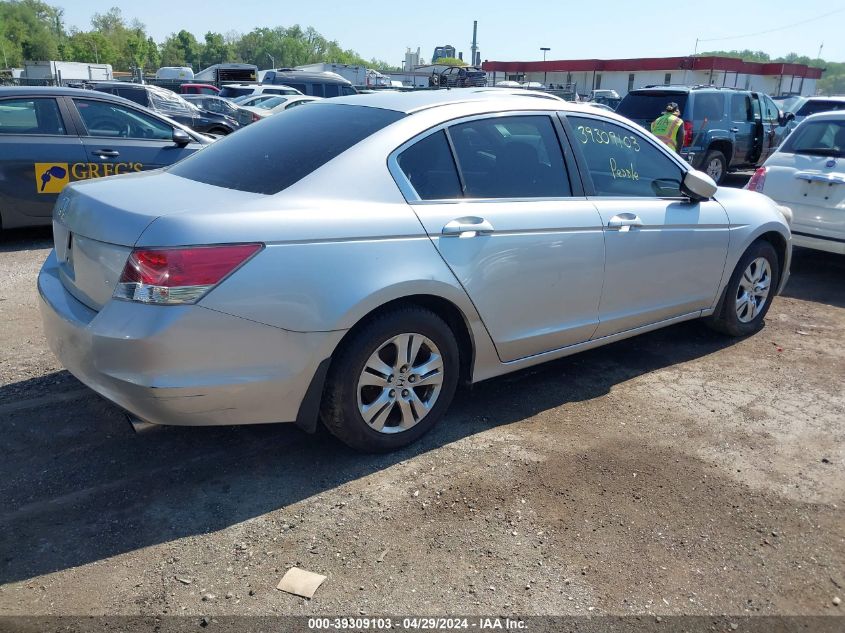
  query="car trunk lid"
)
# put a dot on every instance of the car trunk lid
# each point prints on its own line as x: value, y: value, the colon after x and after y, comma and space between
x: 812, y: 186
x: 97, y: 223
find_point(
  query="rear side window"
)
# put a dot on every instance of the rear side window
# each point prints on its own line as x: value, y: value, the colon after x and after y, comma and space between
x: 30, y: 116
x: 647, y: 106
x: 281, y: 150
x: 300, y: 87
x: 429, y: 167
x: 708, y: 106
x: 510, y: 157
x: 331, y: 90
x: 622, y: 163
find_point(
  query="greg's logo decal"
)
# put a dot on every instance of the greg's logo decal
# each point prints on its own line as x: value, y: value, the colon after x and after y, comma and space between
x: 51, y: 177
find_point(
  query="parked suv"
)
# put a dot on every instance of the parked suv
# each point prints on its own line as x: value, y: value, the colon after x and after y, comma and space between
x: 169, y: 104
x: 313, y: 84
x: 724, y: 128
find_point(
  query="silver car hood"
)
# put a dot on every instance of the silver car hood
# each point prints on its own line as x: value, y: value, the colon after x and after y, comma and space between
x: 118, y: 209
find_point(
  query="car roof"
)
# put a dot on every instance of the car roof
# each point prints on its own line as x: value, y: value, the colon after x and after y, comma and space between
x: 409, y: 102
x: 835, y: 98
x: 57, y: 91
x: 822, y: 116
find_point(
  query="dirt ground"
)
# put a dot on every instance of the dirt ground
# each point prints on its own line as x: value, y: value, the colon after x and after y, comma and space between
x: 675, y: 473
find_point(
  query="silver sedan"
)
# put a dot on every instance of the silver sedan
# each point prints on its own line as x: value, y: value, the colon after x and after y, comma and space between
x: 355, y: 260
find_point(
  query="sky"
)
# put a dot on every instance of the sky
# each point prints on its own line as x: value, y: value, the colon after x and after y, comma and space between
x: 509, y: 30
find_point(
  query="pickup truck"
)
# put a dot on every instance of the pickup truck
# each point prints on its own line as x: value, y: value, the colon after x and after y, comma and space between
x: 725, y: 129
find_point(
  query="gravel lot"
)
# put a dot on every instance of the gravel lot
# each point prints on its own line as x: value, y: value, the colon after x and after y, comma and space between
x: 676, y: 473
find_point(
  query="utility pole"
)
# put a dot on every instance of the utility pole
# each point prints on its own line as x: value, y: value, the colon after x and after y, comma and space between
x: 545, y: 50
x: 474, y: 47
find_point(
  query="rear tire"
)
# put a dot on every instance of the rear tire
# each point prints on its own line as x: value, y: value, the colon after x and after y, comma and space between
x: 392, y: 381
x: 749, y: 292
x: 715, y: 165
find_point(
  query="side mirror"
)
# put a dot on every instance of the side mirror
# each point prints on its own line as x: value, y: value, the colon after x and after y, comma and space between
x: 181, y: 137
x: 785, y: 117
x: 698, y: 185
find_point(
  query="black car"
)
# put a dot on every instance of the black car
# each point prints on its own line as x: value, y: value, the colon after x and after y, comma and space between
x: 219, y: 105
x: 724, y: 128
x: 462, y: 77
x: 169, y: 104
x: 52, y: 136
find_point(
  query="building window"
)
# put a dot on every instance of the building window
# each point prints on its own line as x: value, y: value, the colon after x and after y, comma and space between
x: 630, y: 82
x: 598, y: 82
x: 667, y: 79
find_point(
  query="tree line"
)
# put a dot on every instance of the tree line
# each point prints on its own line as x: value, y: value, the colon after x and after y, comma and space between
x: 32, y: 30
x: 831, y: 83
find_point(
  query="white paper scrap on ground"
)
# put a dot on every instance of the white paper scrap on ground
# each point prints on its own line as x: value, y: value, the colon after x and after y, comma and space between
x: 300, y: 582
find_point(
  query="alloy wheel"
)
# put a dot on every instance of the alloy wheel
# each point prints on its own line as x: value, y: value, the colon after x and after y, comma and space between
x: 754, y: 287
x: 714, y: 169
x: 400, y: 383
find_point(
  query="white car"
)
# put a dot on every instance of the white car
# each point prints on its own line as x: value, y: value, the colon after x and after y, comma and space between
x: 807, y: 174
x: 231, y: 91
x: 278, y: 104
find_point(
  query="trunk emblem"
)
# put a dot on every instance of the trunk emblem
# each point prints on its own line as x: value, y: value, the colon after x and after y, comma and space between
x: 61, y: 209
x: 830, y: 163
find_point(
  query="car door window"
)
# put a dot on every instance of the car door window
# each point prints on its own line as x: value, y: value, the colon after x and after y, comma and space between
x: 510, y: 157
x: 30, y: 116
x: 622, y: 163
x: 770, y: 111
x: 741, y: 110
x: 117, y: 121
x: 331, y: 90
x: 429, y: 167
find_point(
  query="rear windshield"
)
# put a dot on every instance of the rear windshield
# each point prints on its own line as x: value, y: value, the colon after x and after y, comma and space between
x: 227, y: 92
x: 817, y: 138
x: 271, y: 155
x: 642, y: 106
x: 816, y: 106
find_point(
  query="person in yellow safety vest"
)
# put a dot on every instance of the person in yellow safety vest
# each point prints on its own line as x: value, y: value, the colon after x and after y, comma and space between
x: 669, y: 127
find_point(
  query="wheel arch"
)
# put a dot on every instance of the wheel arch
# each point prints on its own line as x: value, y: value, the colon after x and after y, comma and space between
x: 442, y: 307
x: 446, y: 309
x: 724, y: 146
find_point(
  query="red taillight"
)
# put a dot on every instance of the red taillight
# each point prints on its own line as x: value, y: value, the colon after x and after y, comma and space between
x: 687, y: 133
x: 179, y: 275
x: 758, y: 180
x: 255, y: 117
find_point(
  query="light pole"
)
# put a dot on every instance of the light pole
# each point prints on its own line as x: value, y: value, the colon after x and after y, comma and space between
x: 272, y: 61
x: 96, y: 54
x: 545, y: 50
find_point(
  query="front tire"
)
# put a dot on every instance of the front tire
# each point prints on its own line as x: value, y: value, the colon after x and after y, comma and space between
x: 749, y: 292
x: 392, y: 381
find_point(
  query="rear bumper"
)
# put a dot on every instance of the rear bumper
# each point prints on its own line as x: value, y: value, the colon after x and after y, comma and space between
x: 181, y: 365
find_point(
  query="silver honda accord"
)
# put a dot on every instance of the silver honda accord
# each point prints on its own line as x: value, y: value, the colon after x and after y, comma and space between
x: 352, y: 261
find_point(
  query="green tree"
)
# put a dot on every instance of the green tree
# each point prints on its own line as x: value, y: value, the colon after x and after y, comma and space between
x: 215, y: 50
x: 449, y: 61
x: 181, y: 49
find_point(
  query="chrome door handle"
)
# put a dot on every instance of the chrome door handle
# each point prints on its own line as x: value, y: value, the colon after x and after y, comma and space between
x: 103, y: 153
x: 624, y: 222
x: 734, y: 130
x: 466, y: 226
